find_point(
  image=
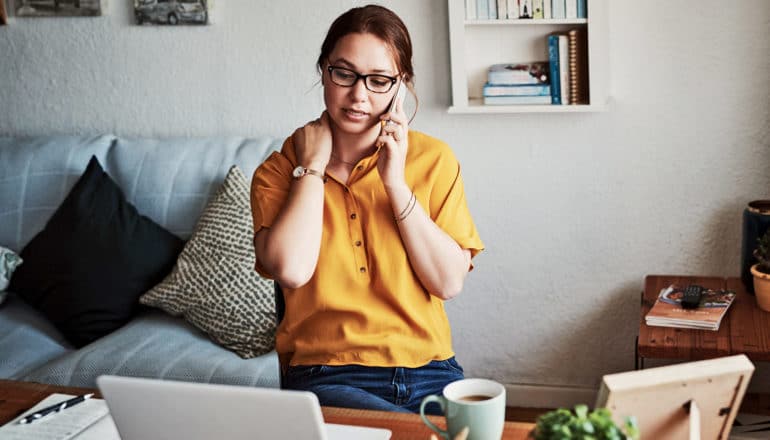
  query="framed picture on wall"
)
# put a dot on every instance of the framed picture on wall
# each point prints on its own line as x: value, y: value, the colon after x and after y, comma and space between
x: 3, y: 15
x: 58, y: 8
x: 172, y: 12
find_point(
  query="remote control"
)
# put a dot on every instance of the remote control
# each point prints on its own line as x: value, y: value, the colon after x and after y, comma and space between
x: 691, y: 296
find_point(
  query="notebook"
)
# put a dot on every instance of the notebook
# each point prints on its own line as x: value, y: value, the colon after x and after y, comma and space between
x: 70, y: 423
x: 157, y: 409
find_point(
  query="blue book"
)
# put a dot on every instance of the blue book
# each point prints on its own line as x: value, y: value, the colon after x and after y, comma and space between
x: 558, y: 9
x: 517, y: 100
x: 581, y: 9
x: 482, y: 10
x: 517, y: 90
x: 553, y: 61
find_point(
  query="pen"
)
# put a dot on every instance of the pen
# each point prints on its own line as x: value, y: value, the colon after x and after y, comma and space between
x: 54, y: 409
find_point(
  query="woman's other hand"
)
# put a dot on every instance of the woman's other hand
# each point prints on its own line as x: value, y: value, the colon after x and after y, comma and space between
x: 313, y: 143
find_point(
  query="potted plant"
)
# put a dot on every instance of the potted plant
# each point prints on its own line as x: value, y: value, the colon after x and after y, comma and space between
x: 761, y: 272
x: 563, y: 424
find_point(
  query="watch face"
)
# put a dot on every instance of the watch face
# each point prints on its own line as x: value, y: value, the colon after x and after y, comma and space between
x: 298, y: 172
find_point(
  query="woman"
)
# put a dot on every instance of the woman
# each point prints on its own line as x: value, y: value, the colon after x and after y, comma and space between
x: 364, y: 225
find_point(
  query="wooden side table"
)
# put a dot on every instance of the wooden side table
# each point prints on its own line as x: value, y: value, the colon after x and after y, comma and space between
x: 744, y: 330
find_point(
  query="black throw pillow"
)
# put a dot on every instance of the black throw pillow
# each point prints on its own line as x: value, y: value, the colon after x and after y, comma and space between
x: 96, y: 255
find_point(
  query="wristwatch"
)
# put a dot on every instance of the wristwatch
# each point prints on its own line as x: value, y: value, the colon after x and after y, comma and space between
x: 301, y: 172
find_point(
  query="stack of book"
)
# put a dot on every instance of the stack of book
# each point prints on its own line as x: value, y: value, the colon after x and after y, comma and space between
x: 568, y: 61
x: 668, y: 312
x: 513, y: 84
x: 523, y: 9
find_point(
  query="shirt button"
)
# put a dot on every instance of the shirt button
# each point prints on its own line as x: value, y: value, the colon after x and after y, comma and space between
x: 353, y: 216
x: 358, y: 243
x: 347, y: 189
x: 360, y: 167
x: 363, y: 269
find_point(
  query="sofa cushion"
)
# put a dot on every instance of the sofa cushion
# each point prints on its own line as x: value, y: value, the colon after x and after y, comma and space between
x: 157, y: 345
x: 27, y: 339
x: 36, y: 174
x: 214, y: 284
x: 96, y: 255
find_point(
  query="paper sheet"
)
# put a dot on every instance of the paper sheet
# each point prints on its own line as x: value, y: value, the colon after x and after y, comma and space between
x: 60, y: 426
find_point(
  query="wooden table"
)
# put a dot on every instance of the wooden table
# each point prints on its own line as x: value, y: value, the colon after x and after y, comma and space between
x: 745, y: 329
x: 17, y: 397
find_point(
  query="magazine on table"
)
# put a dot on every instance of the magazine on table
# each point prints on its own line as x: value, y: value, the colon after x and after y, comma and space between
x: 668, y: 312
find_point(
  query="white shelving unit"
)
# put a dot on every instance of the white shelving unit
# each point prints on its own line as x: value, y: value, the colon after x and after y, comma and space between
x: 474, y: 45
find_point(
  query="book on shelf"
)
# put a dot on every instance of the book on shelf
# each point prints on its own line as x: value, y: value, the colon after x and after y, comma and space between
x: 525, y: 8
x: 512, y: 7
x: 553, y: 63
x: 502, y: 9
x: 482, y: 10
x: 470, y: 10
x: 517, y: 100
x: 668, y: 312
x: 557, y: 9
x: 581, y: 9
x: 547, y: 9
x: 517, y: 90
x: 537, y: 9
x: 521, y: 73
x: 564, y: 83
x: 570, y: 8
x: 578, y: 66
x: 492, y: 7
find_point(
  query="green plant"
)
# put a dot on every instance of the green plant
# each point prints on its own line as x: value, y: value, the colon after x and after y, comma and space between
x: 762, y: 252
x: 563, y: 424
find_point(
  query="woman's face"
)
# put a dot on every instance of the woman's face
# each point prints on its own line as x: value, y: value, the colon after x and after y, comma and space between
x: 356, y: 109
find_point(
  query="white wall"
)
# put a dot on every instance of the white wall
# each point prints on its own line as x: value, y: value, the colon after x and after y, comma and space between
x: 574, y: 208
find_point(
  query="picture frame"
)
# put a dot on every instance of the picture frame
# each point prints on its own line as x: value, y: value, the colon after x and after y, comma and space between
x: 172, y: 12
x: 58, y: 8
x: 689, y: 400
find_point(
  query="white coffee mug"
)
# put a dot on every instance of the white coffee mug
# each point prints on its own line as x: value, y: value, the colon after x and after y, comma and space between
x: 478, y: 404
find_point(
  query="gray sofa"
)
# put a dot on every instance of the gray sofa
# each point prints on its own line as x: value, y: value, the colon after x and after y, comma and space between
x: 168, y: 181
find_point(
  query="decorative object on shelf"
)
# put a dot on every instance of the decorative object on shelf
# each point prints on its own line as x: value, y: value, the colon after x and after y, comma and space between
x: 59, y: 8
x: 172, y: 12
x: 3, y: 15
x: 756, y: 220
x: 598, y: 424
x: 761, y: 272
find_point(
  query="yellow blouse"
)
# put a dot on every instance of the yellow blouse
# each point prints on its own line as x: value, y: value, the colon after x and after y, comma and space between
x: 364, y: 304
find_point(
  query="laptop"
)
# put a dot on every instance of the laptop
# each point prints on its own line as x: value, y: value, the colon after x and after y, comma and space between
x: 151, y: 409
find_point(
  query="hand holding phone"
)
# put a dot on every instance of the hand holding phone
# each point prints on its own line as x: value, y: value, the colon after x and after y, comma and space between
x: 399, y: 96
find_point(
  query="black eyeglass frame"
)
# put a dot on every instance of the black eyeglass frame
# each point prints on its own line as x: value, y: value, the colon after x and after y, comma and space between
x: 393, y: 80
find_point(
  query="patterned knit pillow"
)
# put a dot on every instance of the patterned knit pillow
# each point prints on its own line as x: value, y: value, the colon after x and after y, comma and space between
x: 214, y: 284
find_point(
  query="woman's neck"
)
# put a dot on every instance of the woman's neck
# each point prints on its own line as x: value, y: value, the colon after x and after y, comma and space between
x: 351, y: 147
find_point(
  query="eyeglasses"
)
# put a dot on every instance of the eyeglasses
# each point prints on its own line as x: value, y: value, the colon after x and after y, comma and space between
x: 374, y: 83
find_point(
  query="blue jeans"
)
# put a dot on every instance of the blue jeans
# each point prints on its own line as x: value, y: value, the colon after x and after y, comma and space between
x: 396, y: 389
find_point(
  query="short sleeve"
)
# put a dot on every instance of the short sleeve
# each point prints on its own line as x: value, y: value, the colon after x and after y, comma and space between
x: 270, y: 186
x: 451, y: 212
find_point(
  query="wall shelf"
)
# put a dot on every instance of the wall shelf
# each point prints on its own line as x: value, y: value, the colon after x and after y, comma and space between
x: 474, y: 45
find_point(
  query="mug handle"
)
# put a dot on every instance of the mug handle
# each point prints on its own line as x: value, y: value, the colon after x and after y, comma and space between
x: 442, y: 403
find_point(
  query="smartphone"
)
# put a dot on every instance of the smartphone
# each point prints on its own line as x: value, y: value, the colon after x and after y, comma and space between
x: 400, y: 94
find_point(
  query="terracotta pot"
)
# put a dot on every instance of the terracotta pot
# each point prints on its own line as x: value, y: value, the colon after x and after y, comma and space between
x: 761, y: 288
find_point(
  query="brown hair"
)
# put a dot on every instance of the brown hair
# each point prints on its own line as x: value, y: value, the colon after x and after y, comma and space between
x: 383, y: 24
